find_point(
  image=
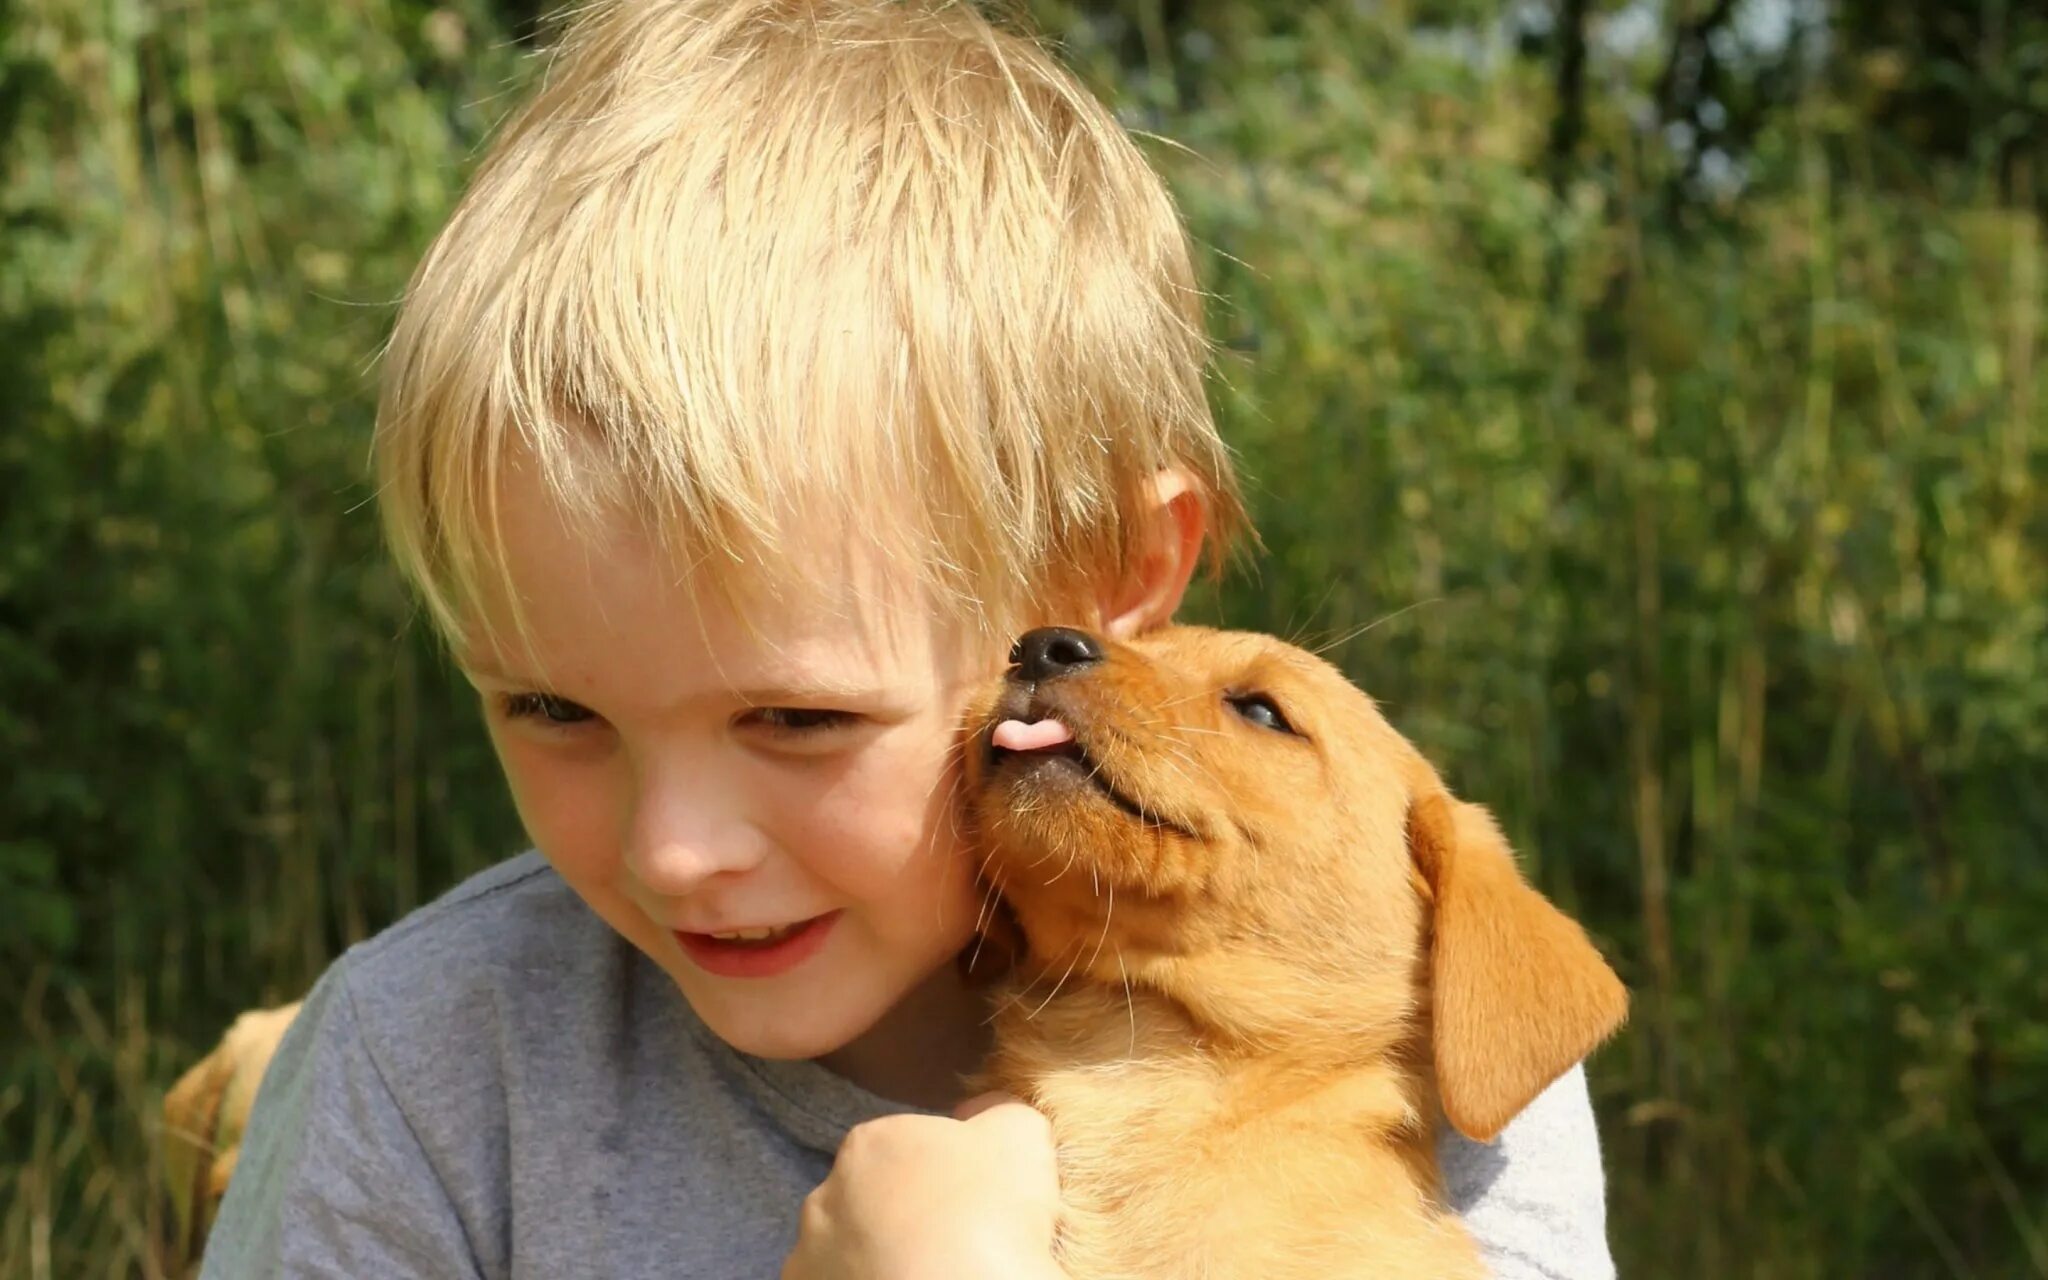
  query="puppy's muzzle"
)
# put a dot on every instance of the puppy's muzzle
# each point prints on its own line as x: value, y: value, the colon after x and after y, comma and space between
x: 1042, y: 661
x: 1048, y: 653
x: 1041, y: 657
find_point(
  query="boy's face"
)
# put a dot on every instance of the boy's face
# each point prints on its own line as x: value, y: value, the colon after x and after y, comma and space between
x: 689, y: 776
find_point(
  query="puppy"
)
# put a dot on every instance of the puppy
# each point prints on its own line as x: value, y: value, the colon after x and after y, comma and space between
x: 204, y: 1116
x: 1265, y: 951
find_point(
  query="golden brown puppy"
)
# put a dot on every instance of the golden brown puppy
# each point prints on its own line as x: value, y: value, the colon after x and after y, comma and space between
x: 204, y: 1116
x: 1266, y: 951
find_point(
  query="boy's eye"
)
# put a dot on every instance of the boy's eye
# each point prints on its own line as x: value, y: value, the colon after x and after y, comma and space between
x: 799, y: 720
x: 545, y: 707
x: 1258, y: 709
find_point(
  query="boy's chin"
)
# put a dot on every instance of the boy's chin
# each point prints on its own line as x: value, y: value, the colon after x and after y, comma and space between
x: 789, y: 1025
x: 911, y: 1043
x: 781, y: 1042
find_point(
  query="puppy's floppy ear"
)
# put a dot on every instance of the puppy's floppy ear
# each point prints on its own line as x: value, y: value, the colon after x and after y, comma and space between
x: 1518, y: 994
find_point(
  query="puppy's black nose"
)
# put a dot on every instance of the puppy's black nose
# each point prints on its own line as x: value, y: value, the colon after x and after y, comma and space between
x: 1054, y: 651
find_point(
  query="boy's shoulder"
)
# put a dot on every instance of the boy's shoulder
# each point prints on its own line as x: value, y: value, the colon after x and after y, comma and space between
x: 467, y: 924
x: 469, y: 919
x: 513, y: 938
x: 520, y: 1091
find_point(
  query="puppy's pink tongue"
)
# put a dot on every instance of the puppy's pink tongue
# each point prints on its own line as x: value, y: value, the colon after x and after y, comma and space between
x: 1015, y: 735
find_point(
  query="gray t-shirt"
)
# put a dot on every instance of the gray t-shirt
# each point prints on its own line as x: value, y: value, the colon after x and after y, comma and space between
x: 499, y: 1085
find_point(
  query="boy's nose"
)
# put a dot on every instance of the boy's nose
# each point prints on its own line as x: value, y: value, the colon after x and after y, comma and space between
x: 1048, y: 652
x: 685, y: 831
x: 672, y: 868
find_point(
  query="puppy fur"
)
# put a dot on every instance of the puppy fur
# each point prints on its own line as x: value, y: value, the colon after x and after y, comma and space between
x: 1260, y: 966
x: 204, y: 1116
x: 1253, y: 970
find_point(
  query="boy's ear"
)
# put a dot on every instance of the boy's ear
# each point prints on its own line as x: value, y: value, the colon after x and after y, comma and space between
x: 1518, y: 995
x: 1176, y: 519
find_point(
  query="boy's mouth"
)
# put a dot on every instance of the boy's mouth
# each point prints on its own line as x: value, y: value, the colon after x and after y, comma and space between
x: 761, y: 952
x: 772, y: 934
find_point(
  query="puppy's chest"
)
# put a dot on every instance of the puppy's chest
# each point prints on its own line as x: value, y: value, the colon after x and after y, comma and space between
x: 1173, y: 1167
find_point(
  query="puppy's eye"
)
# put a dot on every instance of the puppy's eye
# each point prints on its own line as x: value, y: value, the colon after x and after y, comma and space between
x: 1258, y: 709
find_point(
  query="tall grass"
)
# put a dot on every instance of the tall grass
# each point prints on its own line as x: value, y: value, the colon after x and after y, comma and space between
x: 1714, y: 555
x: 1710, y: 553
x: 228, y: 749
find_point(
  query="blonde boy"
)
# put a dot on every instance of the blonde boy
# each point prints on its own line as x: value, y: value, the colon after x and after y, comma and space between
x: 782, y: 362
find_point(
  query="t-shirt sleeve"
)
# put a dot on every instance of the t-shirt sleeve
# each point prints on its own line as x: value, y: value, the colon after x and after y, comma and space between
x: 332, y: 1180
x: 1535, y: 1197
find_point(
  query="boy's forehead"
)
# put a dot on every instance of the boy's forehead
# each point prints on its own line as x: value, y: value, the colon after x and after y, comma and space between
x: 825, y: 597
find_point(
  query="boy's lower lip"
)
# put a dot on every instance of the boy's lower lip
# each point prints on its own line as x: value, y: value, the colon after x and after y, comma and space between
x: 757, y: 959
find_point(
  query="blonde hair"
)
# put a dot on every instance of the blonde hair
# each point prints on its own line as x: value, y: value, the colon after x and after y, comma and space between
x: 739, y: 262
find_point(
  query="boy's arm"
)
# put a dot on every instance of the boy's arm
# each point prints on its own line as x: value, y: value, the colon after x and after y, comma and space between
x: 331, y: 1179
x: 1535, y: 1197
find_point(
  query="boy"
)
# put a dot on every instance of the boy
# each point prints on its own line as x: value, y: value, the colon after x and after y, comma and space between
x: 782, y: 362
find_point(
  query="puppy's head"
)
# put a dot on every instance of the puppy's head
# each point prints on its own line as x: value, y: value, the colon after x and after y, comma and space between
x: 1225, y: 820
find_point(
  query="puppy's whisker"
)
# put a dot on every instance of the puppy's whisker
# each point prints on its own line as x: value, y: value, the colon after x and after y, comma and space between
x: 983, y: 918
x: 1071, y: 964
x: 1104, y: 935
x: 1295, y: 631
x: 987, y: 912
x: 1051, y: 852
x: 1181, y: 752
x: 1181, y: 700
x: 1130, y: 1002
x: 1179, y: 761
x: 1356, y: 632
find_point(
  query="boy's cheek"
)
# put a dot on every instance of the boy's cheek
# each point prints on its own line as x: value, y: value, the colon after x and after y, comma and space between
x: 565, y: 810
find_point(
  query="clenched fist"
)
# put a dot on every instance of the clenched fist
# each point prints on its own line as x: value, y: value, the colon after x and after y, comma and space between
x: 931, y: 1198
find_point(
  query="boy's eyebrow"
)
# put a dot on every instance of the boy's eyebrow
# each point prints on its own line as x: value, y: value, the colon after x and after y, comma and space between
x: 471, y: 666
x: 774, y: 694
x: 762, y: 695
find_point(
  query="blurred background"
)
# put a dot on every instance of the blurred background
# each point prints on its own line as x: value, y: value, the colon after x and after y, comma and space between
x: 1663, y: 378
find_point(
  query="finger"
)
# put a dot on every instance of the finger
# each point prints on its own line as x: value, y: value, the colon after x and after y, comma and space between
x: 981, y: 1102
x: 1011, y: 1121
x: 1021, y: 1136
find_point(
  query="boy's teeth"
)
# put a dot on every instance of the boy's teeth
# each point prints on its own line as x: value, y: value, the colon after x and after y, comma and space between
x: 755, y: 935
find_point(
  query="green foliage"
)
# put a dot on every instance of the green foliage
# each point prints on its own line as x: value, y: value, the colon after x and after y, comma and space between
x: 227, y: 748
x: 1716, y: 563
x: 1713, y: 560
x: 1960, y: 80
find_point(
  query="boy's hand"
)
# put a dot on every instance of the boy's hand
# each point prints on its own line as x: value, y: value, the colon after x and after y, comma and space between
x: 927, y: 1198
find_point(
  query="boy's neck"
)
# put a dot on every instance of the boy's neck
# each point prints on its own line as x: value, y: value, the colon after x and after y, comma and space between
x: 922, y: 1051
